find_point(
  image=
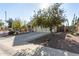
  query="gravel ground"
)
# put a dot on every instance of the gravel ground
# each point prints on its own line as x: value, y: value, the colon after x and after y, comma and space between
x: 62, y: 41
x: 60, y: 44
x: 44, y: 51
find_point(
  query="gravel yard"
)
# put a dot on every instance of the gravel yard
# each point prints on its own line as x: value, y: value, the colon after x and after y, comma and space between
x: 60, y: 44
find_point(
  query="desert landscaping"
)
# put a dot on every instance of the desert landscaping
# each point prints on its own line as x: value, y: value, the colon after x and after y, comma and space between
x: 35, y: 31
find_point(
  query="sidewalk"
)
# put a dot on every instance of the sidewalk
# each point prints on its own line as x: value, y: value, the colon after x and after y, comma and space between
x: 3, y: 33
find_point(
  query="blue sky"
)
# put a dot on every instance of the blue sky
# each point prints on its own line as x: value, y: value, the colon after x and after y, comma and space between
x: 71, y: 9
x: 17, y: 10
x: 26, y: 10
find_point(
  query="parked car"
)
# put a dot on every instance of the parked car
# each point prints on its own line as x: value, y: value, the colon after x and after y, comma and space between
x: 11, y: 32
x: 17, y: 31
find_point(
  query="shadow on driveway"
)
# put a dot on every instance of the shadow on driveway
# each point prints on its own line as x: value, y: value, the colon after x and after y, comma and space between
x: 27, y: 38
x: 53, y: 40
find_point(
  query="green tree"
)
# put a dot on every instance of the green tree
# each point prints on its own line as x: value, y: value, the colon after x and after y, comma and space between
x: 16, y: 24
x: 24, y: 26
x: 10, y: 22
x: 74, y: 22
x: 48, y: 18
x: 1, y: 23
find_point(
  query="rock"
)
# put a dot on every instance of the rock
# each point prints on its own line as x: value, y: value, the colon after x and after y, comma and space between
x: 45, y: 51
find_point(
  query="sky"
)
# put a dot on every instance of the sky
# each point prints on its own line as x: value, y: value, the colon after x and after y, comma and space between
x: 25, y: 11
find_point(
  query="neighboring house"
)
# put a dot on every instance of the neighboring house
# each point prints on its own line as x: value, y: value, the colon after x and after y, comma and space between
x: 39, y: 29
x: 54, y: 29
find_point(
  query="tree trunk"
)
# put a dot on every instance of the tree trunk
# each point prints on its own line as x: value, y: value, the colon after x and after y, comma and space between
x: 50, y: 29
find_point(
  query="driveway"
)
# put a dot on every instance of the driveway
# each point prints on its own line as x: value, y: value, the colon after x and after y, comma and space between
x: 6, y: 43
x: 25, y: 38
x: 7, y: 47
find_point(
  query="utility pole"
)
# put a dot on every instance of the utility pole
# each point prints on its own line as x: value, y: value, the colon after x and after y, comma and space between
x: 5, y: 15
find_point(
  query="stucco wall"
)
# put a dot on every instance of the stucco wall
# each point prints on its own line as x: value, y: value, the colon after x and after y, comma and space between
x: 39, y: 29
